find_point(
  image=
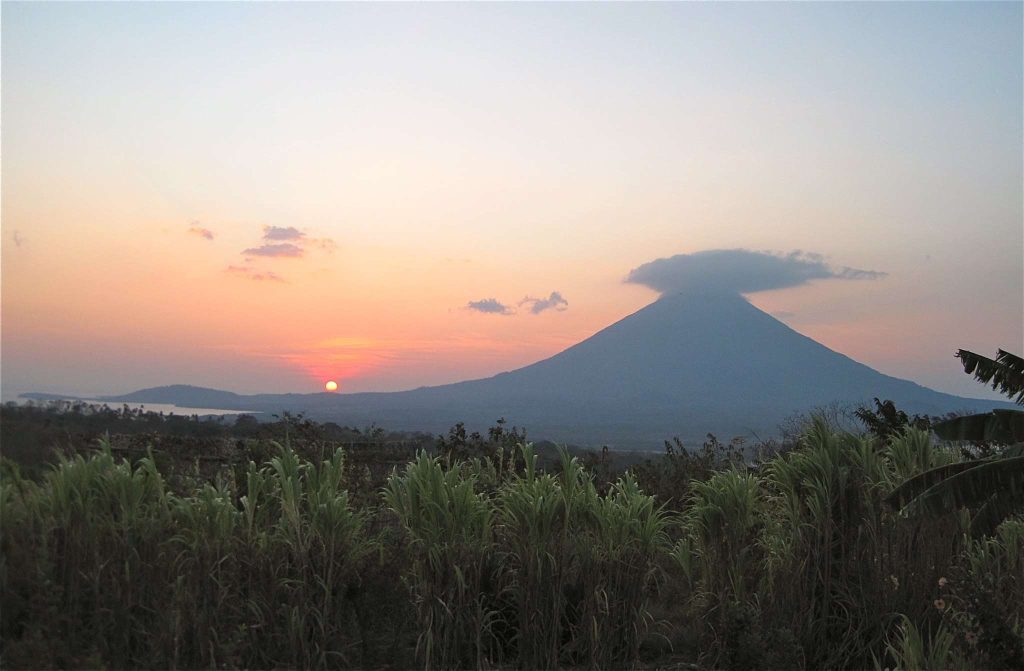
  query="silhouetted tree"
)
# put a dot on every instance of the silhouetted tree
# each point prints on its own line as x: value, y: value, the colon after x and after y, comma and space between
x: 885, y: 421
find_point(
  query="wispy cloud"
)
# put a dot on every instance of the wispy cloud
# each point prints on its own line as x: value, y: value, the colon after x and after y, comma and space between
x: 490, y: 306
x: 553, y: 302
x: 846, y: 273
x: 254, y: 274
x: 18, y: 240
x: 740, y: 271
x: 200, y: 231
x: 282, y: 233
x: 283, y: 249
x: 323, y: 244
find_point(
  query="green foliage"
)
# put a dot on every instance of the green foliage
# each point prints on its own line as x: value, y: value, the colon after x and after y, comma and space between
x: 724, y: 519
x: 450, y: 524
x: 992, y: 489
x: 909, y: 650
x: 998, y: 426
x: 987, y: 608
x: 102, y: 556
x: 580, y: 564
x: 563, y: 572
x: 1006, y: 374
x: 540, y: 514
x: 308, y: 558
x: 671, y: 477
x: 885, y: 421
x: 627, y: 535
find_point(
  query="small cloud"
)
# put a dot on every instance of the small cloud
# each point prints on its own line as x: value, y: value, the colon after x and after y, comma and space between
x: 490, y: 306
x: 253, y: 274
x: 324, y: 244
x: 782, y: 314
x: 846, y: 273
x: 537, y: 305
x: 282, y: 233
x: 284, y: 249
x: 740, y: 271
x: 18, y: 240
x: 287, y: 242
x: 200, y: 231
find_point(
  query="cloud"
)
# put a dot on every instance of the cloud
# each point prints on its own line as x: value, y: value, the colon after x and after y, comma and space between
x: 325, y: 244
x: 288, y: 242
x: 554, y: 301
x: 18, y: 240
x: 490, y: 306
x: 846, y: 273
x: 740, y: 271
x: 537, y: 305
x: 200, y: 231
x: 284, y: 249
x: 253, y: 274
x: 282, y: 233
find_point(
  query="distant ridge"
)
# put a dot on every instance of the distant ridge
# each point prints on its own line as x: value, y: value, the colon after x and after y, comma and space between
x: 199, y: 397
x: 685, y: 365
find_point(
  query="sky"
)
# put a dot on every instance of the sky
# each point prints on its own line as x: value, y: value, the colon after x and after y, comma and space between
x: 261, y: 197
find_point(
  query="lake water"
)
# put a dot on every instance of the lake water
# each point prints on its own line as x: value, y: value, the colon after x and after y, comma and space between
x: 166, y: 408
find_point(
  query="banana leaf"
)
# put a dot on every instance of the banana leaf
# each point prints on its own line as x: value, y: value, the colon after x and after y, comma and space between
x: 1005, y: 373
x: 914, y: 487
x: 998, y: 507
x: 998, y: 426
x: 970, y: 487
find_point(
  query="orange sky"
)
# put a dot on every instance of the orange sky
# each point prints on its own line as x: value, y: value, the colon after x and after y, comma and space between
x: 430, y: 156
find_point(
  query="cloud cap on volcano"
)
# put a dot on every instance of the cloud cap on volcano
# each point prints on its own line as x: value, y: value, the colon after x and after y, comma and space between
x: 740, y: 271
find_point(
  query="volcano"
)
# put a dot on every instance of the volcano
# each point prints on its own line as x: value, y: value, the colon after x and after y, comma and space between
x: 686, y: 365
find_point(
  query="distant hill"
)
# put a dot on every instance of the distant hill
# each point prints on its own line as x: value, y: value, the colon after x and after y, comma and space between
x: 685, y: 365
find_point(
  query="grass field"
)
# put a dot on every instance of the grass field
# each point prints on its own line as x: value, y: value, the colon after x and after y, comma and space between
x: 480, y: 553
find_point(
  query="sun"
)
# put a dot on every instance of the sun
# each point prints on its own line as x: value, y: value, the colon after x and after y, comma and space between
x: 331, y: 385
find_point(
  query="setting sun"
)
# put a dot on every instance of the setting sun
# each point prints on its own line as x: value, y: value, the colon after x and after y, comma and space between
x: 331, y: 385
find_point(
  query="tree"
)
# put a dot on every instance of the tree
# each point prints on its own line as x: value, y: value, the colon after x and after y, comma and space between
x: 992, y: 487
x: 885, y: 421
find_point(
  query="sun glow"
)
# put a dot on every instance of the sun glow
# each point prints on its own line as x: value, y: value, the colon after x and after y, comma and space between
x: 331, y: 385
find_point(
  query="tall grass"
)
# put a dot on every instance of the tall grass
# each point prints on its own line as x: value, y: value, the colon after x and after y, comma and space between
x: 495, y: 562
x: 724, y: 518
x: 81, y: 558
x: 627, y: 538
x: 101, y: 556
x: 450, y: 524
x: 540, y: 514
x: 910, y: 650
x: 839, y: 564
x: 308, y: 545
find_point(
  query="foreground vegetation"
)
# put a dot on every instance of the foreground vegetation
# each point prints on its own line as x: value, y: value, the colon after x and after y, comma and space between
x: 479, y: 554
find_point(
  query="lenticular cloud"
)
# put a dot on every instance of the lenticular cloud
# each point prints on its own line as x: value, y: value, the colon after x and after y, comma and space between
x: 740, y: 271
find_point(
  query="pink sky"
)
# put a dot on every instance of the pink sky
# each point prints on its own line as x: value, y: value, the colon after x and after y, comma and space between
x: 263, y: 197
